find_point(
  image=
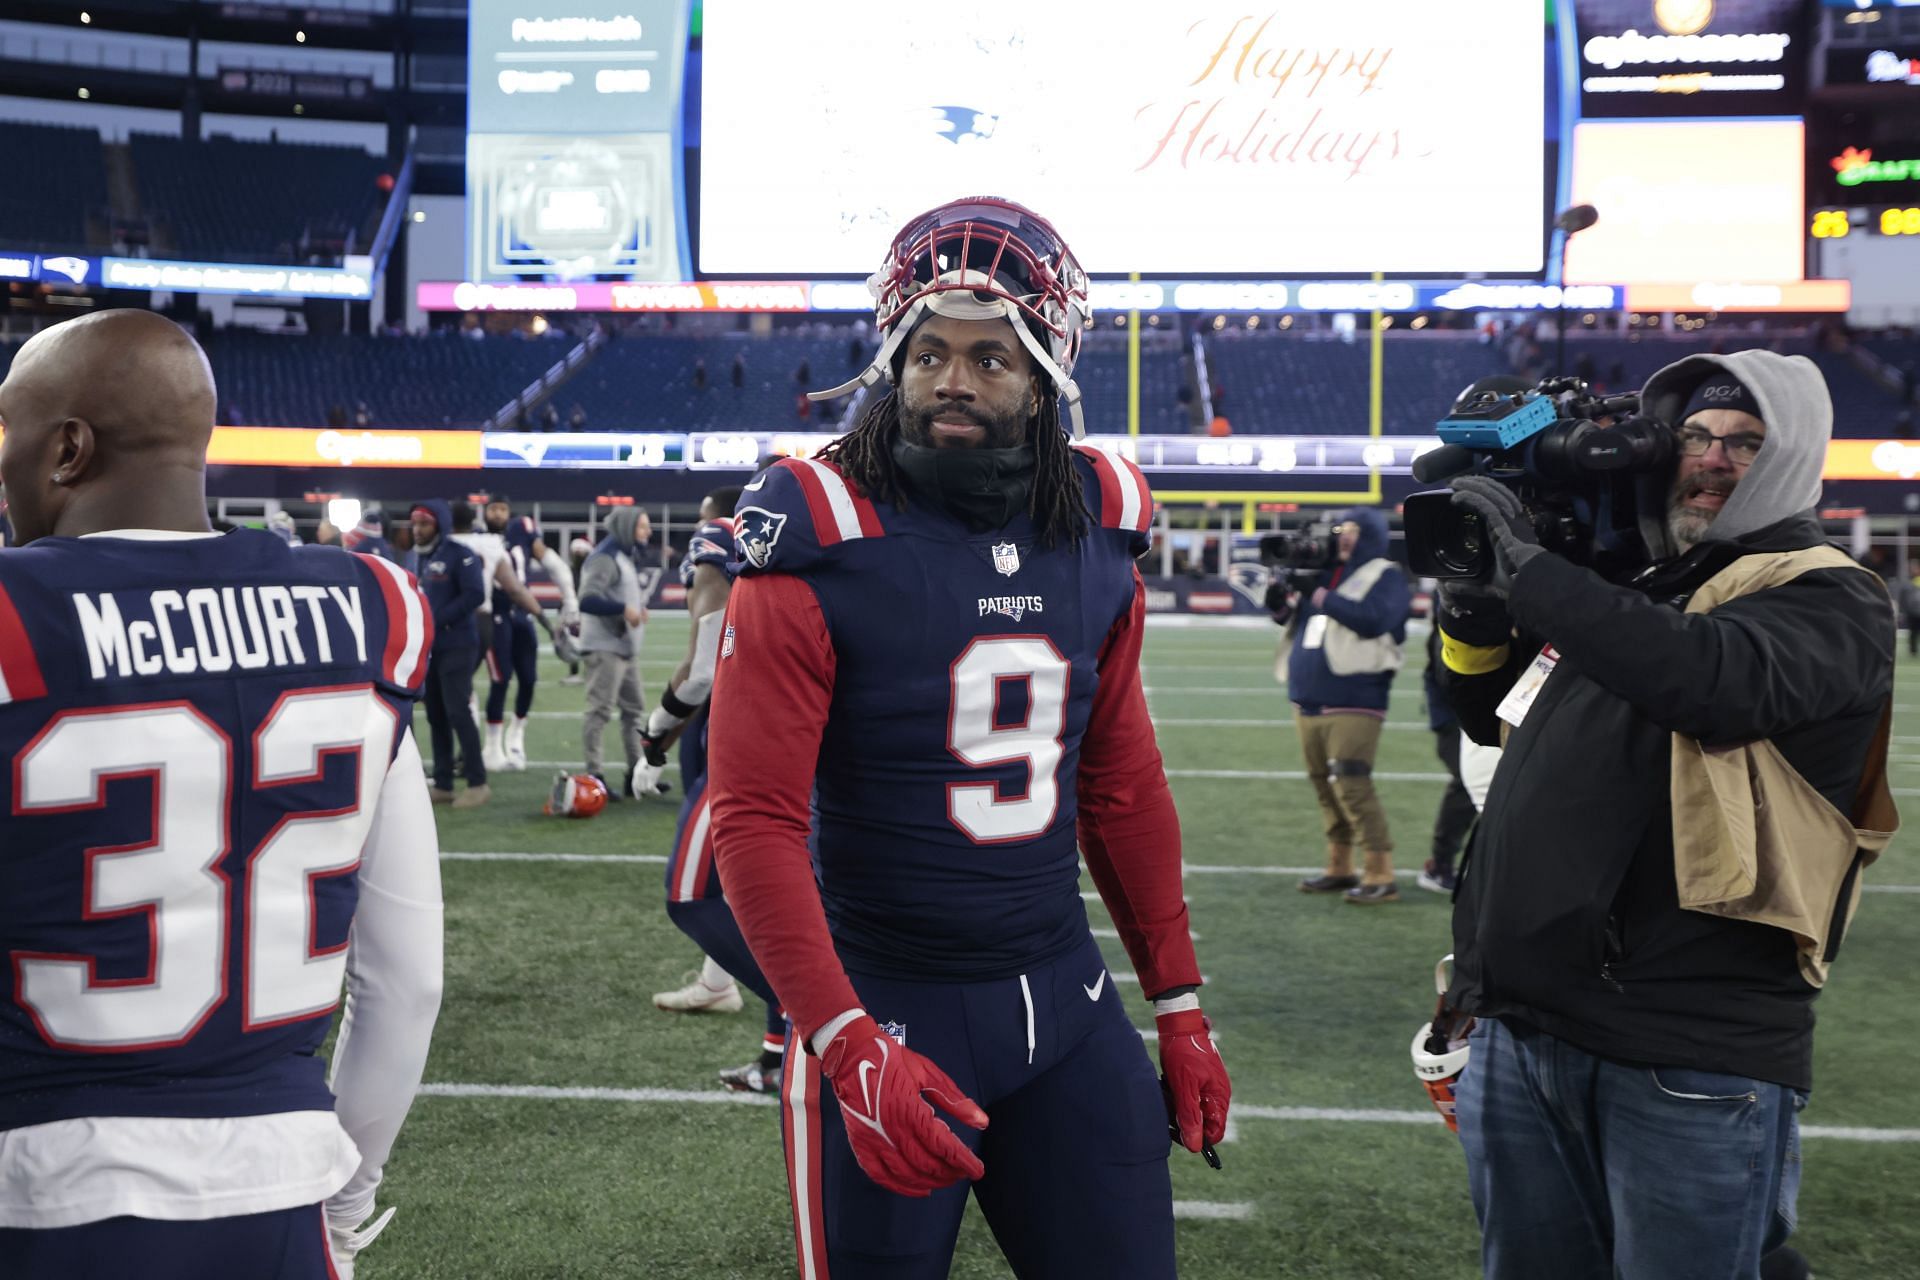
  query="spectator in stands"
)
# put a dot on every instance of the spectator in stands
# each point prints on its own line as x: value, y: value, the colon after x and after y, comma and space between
x: 1348, y: 633
x: 612, y: 626
x: 577, y: 417
x: 362, y: 416
x: 804, y: 374
x: 549, y: 418
x: 803, y: 409
x: 699, y: 373
x: 336, y: 416
x: 739, y: 370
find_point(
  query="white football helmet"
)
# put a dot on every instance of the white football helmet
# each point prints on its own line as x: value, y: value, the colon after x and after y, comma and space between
x: 982, y: 258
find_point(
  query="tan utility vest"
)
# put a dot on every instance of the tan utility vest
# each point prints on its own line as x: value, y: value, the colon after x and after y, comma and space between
x: 1752, y: 839
x: 1348, y: 652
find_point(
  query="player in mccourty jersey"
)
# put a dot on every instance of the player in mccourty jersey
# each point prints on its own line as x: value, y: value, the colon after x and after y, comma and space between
x: 210, y: 780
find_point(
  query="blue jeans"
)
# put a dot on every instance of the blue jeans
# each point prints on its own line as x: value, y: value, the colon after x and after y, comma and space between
x: 1586, y: 1169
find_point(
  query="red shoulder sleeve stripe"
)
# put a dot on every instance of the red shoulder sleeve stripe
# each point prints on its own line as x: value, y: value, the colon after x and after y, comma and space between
x: 409, y: 624
x: 20, y: 676
x: 1125, y: 500
x: 839, y: 514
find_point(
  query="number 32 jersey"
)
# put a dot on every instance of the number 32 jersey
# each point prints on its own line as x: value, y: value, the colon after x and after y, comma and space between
x: 196, y: 731
x: 955, y: 681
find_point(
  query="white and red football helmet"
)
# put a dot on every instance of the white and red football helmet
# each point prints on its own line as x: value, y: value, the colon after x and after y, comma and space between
x: 982, y: 258
x: 576, y: 795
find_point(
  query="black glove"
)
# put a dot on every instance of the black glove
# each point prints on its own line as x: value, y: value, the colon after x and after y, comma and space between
x: 1278, y: 602
x: 1472, y: 613
x: 1514, y: 541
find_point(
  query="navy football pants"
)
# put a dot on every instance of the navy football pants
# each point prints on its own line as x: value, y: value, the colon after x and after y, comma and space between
x: 696, y: 906
x: 290, y: 1244
x: 449, y: 686
x: 1076, y: 1152
x: 515, y: 655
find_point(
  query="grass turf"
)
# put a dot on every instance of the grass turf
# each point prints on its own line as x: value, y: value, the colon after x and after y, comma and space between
x: 551, y: 966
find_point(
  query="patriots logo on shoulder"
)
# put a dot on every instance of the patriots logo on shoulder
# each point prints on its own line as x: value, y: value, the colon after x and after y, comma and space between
x: 757, y: 530
x: 896, y: 1030
x: 1006, y: 558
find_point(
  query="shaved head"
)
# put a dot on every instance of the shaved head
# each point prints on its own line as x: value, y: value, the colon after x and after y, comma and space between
x: 107, y: 420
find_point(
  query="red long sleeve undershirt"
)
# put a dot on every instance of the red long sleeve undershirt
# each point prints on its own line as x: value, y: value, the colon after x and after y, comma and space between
x: 770, y: 701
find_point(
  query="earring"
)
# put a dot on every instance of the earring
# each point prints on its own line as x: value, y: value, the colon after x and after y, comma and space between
x: 59, y: 477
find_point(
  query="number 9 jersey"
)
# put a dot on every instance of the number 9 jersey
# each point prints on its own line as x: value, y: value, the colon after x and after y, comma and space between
x: 977, y: 697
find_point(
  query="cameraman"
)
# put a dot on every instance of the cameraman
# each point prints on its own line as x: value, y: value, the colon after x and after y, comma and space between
x: 1670, y: 850
x: 1346, y: 646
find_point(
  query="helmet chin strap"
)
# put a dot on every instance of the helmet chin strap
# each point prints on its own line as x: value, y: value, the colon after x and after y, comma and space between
x: 960, y: 306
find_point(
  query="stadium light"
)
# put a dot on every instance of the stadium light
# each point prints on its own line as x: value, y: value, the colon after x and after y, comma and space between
x: 299, y: 37
x: 1569, y: 222
x: 86, y: 19
x: 343, y: 513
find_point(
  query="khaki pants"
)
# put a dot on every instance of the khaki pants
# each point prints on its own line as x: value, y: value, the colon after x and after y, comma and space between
x: 1339, y: 751
x: 612, y: 681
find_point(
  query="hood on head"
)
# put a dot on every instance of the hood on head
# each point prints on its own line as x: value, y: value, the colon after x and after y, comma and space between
x: 1372, y: 542
x: 622, y: 523
x: 1785, y: 479
x: 441, y: 512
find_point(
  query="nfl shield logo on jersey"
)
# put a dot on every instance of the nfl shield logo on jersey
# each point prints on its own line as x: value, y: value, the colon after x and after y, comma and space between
x: 1006, y: 558
x: 897, y: 1030
x: 758, y: 530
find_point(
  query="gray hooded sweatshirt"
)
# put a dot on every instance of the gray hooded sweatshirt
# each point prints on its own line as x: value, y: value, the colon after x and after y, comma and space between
x: 609, y: 584
x: 1785, y: 478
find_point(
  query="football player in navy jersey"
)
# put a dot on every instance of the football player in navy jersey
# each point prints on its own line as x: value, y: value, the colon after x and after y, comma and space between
x: 516, y: 649
x: 209, y: 779
x: 695, y: 899
x: 928, y: 707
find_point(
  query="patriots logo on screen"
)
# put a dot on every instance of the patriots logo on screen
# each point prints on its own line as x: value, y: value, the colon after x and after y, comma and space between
x: 757, y: 530
x: 897, y: 1030
x: 74, y: 269
x: 1006, y: 558
x: 703, y: 547
x: 956, y: 123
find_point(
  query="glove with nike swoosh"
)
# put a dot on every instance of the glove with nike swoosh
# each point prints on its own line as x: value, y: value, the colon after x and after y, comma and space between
x: 884, y: 1090
x: 1196, y: 1079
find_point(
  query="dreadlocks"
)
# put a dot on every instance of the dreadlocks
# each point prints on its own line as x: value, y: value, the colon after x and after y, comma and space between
x: 1058, y: 505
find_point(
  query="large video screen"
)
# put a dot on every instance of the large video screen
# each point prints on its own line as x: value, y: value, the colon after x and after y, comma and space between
x: 1203, y: 137
x: 1687, y: 201
x: 573, y: 152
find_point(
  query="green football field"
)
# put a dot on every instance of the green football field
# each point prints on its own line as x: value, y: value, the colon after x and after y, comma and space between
x: 567, y: 1128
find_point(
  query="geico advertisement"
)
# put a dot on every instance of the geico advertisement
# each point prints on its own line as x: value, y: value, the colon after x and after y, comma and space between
x: 1203, y: 137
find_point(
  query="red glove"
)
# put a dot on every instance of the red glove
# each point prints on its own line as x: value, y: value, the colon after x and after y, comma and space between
x: 1195, y: 1077
x: 896, y: 1137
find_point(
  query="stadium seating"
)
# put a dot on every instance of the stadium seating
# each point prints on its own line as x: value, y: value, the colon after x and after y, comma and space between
x: 431, y: 381
x: 57, y: 178
x: 1102, y: 375
x: 645, y: 382
x: 1271, y: 383
x: 258, y: 201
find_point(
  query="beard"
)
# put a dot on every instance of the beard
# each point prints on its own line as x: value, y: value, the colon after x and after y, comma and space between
x: 1002, y: 430
x: 1688, y: 526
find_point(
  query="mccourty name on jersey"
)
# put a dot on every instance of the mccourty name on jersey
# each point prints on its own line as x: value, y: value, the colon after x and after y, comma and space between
x: 213, y: 630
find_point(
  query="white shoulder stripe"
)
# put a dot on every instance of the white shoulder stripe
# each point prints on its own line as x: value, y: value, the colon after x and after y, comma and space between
x: 409, y: 660
x: 1136, y: 501
x: 839, y: 498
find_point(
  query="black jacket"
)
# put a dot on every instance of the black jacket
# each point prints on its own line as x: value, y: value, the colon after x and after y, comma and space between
x: 1567, y: 918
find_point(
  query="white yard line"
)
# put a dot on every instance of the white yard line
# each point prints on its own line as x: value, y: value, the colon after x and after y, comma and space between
x: 1192, y: 868
x: 1216, y: 1210
x: 1241, y: 1110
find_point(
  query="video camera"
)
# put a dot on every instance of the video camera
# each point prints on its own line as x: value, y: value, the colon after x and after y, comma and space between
x: 1578, y: 462
x: 1298, y: 558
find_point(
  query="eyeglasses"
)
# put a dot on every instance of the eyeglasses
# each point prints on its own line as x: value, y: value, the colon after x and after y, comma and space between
x: 1741, y: 447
